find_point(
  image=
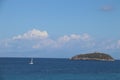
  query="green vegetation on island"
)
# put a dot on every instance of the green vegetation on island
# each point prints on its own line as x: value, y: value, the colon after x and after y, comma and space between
x: 93, y: 56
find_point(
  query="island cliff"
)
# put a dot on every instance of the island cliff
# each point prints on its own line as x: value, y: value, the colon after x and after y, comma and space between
x: 93, y: 56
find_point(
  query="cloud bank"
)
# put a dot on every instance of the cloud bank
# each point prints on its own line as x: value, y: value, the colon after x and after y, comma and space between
x: 39, y: 40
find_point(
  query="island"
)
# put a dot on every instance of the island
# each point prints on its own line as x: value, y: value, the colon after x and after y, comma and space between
x: 93, y: 56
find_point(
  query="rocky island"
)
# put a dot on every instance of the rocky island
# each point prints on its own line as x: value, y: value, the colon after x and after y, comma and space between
x: 93, y: 56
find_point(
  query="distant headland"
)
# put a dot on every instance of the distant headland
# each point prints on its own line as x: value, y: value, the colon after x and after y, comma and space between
x: 93, y: 56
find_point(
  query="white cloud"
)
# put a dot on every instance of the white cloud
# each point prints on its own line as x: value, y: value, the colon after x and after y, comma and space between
x: 33, y: 34
x: 75, y: 36
x: 85, y: 37
x: 72, y: 40
x: 118, y: 44
x: 43, y: 43
x: 107, y: 8
x: 110, y: 44
x: 61, y: 41
x: 37, y: 39
x: 67, y: 38
x: 64, y: 39
x: 5, y: 43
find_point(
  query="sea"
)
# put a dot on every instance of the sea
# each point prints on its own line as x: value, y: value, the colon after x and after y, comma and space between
x: 58, y: 69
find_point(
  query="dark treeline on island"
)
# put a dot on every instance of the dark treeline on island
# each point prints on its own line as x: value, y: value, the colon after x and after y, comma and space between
x: 93, y: 56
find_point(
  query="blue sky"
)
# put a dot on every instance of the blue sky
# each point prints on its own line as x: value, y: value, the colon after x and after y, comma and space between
x: 64, y: 27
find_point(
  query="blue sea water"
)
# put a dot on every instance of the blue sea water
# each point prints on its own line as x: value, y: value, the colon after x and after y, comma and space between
x: 58, y: 69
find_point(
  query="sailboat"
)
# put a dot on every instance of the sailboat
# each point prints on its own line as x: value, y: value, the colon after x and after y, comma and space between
x: 31, y: 61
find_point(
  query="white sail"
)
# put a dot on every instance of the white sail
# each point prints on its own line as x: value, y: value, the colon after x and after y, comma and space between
x: 31, y: 61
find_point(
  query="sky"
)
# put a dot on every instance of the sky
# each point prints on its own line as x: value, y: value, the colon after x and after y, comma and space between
x: 59, y: 28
